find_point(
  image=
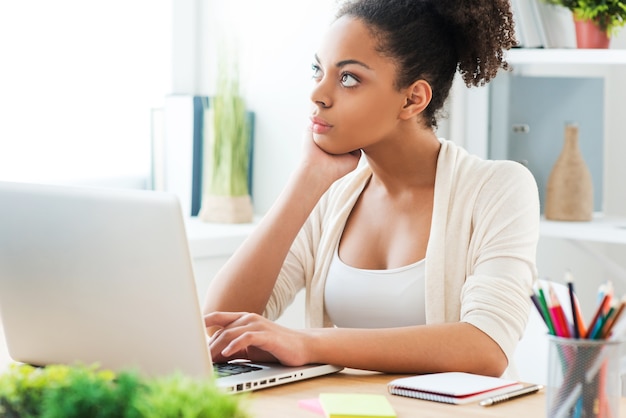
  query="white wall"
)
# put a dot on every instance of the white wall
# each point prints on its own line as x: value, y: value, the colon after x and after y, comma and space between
x: 77, y: 82
x: 280, y: 54
x: 277, y: 40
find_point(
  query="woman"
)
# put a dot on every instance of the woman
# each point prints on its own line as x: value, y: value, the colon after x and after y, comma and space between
x: 416, y: 257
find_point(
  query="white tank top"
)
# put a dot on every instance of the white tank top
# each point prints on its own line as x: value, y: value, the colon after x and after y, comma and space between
x: 358, y: 298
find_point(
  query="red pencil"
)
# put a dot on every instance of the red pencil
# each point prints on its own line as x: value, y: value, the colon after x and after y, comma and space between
x: 563, y: 327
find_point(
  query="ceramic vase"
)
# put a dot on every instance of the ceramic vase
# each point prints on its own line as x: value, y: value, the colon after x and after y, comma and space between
x: 590, y: 35
x: 569, y: 192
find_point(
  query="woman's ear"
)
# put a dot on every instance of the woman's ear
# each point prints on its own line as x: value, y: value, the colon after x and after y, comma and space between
x: 418, y: 96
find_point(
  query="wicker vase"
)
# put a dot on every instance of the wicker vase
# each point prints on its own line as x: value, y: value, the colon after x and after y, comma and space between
x: 569, y: 192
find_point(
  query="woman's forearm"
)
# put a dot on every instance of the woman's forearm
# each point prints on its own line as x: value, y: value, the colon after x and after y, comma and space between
x: 246, y: 280
x: 422, y: 349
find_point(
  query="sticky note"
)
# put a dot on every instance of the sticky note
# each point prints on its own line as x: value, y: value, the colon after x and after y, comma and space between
x: 356, y: 405
x: 312, y: 405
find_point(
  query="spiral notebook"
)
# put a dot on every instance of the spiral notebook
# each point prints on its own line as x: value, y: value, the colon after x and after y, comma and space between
x: 451, y: 387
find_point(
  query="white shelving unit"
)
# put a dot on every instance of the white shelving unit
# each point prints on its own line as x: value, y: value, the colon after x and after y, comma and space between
x: 565, y: 62
x: 607, y: 63
x: 588, y: 237
x: 534, y: 57
x: 600, y: 229
x: 583, y: 234
x: 211, y: 240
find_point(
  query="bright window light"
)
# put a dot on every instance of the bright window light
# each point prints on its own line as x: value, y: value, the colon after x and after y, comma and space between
x: 78, y: 80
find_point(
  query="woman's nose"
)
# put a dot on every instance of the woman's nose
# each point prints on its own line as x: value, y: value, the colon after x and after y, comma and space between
x: 320, y: 96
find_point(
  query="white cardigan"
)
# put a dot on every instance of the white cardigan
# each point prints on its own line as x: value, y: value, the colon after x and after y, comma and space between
x: 480, y: 259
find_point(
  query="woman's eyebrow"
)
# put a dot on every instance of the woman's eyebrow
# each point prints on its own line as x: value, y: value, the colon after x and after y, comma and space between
x: 343, y: 63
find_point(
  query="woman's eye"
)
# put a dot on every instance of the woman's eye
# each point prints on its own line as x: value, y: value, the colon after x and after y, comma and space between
x: 348, y: 80
x: 317, y: 71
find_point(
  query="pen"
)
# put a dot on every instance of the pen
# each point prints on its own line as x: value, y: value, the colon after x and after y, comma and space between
x: 511, y: 395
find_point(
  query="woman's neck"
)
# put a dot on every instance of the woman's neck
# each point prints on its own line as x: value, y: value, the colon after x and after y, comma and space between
x: 401, y: 163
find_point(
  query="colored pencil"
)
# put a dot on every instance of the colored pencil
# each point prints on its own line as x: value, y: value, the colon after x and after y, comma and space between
x: 572, y: 300
x: 599, y: 314
x: 545, y: 310
x: 582, y: 329
x: 535, y: 300
x: 558, y: 315
x: 597, y: 330
x: 608, y: 327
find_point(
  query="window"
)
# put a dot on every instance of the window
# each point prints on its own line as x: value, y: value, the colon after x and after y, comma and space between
x: 78, y: 80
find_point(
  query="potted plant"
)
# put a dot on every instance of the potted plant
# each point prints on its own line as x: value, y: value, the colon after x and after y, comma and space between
x: 63, y: 391
x: 595, y: 20
x: 227, y: 150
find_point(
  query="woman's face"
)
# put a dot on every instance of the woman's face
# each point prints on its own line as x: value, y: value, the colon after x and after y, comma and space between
x: 355, y: 103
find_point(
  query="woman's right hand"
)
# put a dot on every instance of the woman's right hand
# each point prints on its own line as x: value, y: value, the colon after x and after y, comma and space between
x: 329, y: 167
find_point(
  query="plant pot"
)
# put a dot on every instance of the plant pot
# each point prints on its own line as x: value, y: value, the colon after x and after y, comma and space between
x: 590, y: 35
x: 226, y: 209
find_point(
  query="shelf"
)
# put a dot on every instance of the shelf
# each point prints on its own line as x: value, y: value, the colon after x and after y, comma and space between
x: 539, y: 56
x: 208, y: 240
x: 607, y: 230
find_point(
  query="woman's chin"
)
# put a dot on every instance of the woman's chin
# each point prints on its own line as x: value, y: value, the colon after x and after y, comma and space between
x: 330, y: 149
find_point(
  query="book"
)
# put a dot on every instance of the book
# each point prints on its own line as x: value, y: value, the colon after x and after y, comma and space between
x: 182, y: 149
x: 200, y: 103
x: 178, y: 149
x: 355, y: 405
x: 157, y: 149
x: 452, y: 387
x: 528, y: 29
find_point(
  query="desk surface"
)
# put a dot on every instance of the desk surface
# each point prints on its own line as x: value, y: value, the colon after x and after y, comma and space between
x: 282, y: 401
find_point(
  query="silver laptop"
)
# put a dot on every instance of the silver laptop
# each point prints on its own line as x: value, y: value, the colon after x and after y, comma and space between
x: 104, y: 276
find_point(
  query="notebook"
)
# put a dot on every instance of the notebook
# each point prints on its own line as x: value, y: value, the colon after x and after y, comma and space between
x: 104, y: 276
x: 451, y: 387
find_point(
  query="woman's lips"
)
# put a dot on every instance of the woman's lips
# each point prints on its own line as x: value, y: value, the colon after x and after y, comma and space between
x: 319, y: 126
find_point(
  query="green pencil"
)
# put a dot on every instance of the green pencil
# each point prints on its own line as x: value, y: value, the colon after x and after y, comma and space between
x: 546, y: 312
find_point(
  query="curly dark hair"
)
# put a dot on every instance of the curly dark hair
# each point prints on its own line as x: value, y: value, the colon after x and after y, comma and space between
x: 432, y: 39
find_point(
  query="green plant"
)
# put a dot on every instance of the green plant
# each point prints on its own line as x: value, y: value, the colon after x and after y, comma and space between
x: 179, y: 397
x: 610, y: 15
x: 60, y: 391
x: 229, y: 155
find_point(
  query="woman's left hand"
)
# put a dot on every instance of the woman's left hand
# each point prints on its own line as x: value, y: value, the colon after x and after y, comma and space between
x: 253, y: 337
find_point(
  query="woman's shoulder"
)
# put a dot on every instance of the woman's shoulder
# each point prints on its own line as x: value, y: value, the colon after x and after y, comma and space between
x: 470, y: 167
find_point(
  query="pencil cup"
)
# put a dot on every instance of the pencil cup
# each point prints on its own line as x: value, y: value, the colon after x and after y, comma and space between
x: 583, y: 378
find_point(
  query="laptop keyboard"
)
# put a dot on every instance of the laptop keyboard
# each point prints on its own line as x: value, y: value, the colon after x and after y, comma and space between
x: 231, y: 369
